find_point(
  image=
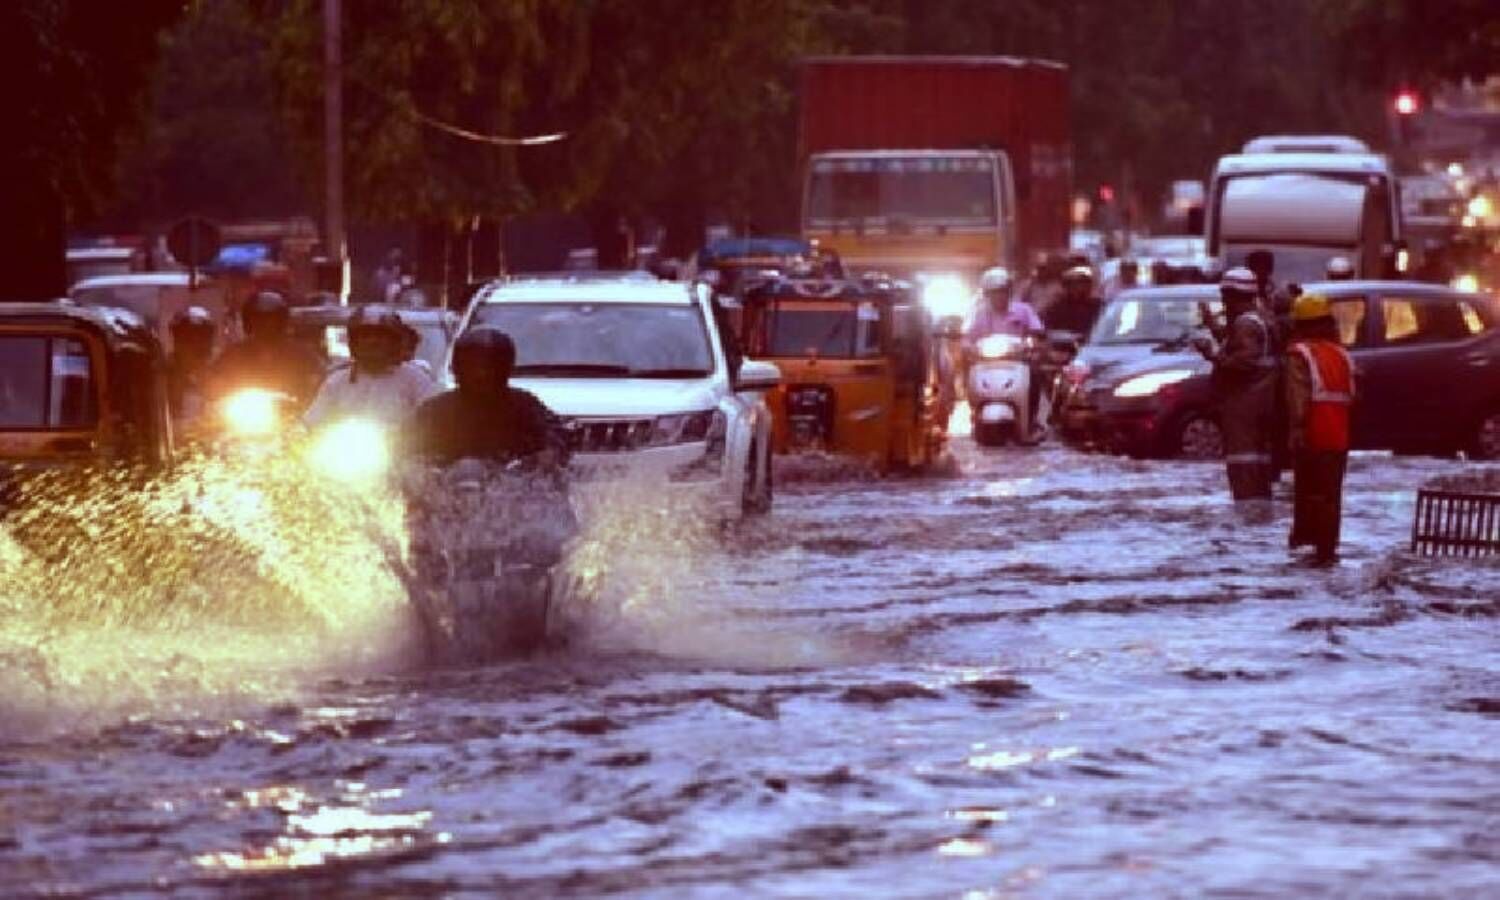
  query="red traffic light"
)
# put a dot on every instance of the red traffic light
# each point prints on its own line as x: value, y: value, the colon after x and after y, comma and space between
x: 1407, y: 103
x: 1106, y: 193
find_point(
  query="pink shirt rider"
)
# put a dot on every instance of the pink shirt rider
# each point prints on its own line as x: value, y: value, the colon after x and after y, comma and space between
x: 1020, y: 319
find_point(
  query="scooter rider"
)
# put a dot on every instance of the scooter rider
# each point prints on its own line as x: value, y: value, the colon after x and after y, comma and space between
x: 267, y: 358
x: 1077, y: 308
x: 378, y: 383
x: 485, y: 418
x: 999, y: 312
x: 1244, y: 381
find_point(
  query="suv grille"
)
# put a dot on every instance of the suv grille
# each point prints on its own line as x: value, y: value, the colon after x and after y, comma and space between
x: 608, y: 435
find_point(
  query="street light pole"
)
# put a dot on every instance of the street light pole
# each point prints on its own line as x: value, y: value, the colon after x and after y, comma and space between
x: 333, y: 139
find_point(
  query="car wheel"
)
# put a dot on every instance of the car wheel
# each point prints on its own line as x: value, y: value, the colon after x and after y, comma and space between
x: 1199, y: 438
x: 759, y: 491
x: 1486, y: 443
x: 991, y: 435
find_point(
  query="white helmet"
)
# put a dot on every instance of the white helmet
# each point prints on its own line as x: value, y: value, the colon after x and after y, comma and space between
x: 1239, y: 280
x: 995, y: 279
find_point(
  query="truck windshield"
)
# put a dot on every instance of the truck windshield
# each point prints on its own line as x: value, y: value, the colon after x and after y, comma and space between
x: 892, y: 190
x: 1294, y: 265
x: 603, y: 340
x: 829, y: 331
x: 46, y: 383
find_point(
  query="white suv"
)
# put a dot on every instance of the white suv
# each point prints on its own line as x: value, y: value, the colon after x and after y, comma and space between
x: 648, y: 386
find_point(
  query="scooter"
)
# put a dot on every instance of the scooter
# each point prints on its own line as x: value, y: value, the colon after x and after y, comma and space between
x: 999, y: 386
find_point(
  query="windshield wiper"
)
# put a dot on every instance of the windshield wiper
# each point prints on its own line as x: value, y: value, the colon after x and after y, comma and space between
x: 669, y: 373
x: 568, y: 368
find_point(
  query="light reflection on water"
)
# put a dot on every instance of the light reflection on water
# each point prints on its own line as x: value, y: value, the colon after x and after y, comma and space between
x: 1069, y: 718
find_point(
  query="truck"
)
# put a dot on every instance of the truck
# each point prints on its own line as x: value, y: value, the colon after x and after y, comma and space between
x: 1307, y: 208
x: 935, y: 168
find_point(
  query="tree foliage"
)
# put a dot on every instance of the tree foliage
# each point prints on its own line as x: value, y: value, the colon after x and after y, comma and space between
x: 76, y: 72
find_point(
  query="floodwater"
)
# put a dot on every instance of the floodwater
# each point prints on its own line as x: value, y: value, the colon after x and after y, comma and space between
x: 1049, y: 674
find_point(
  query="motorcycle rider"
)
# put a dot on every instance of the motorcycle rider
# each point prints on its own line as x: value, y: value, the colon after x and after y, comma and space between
x: 379, y: 382
x: 192, y: 332
x: 1077, y: 309
x: 1244, y: 381
x: 999, y: 312
x: 1339, y: 268
x: 267, y: 358
x: 484, y: 417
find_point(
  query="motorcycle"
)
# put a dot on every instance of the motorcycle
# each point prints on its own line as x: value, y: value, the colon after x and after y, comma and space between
x: 1000, y: 385
x: 487, y: 543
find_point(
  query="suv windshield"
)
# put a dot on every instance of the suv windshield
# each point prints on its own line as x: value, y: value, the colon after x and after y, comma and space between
x: 603, y: 340
x: 1149, y: 320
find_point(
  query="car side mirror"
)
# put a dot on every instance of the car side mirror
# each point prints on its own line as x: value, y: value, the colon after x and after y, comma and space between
x: 757, y: 375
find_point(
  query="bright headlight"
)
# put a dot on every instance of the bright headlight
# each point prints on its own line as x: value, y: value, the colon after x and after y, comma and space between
x: 945, y: 295
x: 251, y: 412
x: 1151, y: 382
x: 1468, y: 282
x: 995, y: 346
x: 352, y: 450
x: 1480, y: 206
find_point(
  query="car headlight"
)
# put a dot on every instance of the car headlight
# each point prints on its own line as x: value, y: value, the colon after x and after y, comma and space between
x: 945, y: 296
x: 352, y: 450
x: 1150, y: 383
x: 995, y: 346
x: 1468, y: 282
x: 716, y: 442
x: 683, y: 428
x: 252, y: 412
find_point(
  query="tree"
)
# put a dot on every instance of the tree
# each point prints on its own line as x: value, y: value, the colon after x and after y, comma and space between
x: 215, y: 144
x: 1391, y: 43
x: 78, y: 72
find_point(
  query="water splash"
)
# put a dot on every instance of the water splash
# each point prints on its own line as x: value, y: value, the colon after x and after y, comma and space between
x: 217, y: 583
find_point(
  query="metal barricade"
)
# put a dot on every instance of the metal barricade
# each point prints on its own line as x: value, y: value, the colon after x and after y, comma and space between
x: 1455, y: 523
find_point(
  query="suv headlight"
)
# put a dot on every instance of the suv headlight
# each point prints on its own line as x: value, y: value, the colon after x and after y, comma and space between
x: 683, y: 428
x: 1150, y: 383
x: 716, y: 441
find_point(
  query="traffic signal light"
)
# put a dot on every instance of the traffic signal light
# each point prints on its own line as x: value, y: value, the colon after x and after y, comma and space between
x: 1106, y: 193
x: 1407, y: 103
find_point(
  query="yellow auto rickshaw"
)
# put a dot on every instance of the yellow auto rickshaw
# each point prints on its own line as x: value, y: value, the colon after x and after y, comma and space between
x: 857, y: 366
x: 80, y: 385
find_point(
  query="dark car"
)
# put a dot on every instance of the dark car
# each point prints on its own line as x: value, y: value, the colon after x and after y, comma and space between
x: 1427, y: 367
x: 1140, y: 330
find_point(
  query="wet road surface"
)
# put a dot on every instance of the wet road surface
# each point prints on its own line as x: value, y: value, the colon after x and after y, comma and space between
x: 1049, y: 675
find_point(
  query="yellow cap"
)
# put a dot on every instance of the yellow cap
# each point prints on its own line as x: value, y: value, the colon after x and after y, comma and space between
x: 1310, y: 307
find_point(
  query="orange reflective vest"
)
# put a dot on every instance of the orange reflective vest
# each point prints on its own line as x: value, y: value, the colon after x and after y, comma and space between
x: 1331, y: 375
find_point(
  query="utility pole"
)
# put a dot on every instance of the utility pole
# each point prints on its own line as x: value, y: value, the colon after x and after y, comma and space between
x: 333, y: 139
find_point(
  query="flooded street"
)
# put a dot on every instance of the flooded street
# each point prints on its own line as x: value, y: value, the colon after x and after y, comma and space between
x: 1052, y: 674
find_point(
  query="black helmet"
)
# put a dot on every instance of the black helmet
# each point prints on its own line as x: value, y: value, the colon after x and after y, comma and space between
x: 266, y: 315
x: 377, y: 337
x: 483, y: 357
x: 192, y: 328
x: 193, y: 320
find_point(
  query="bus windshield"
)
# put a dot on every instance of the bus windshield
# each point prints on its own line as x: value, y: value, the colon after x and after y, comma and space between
x: 890, y: 190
